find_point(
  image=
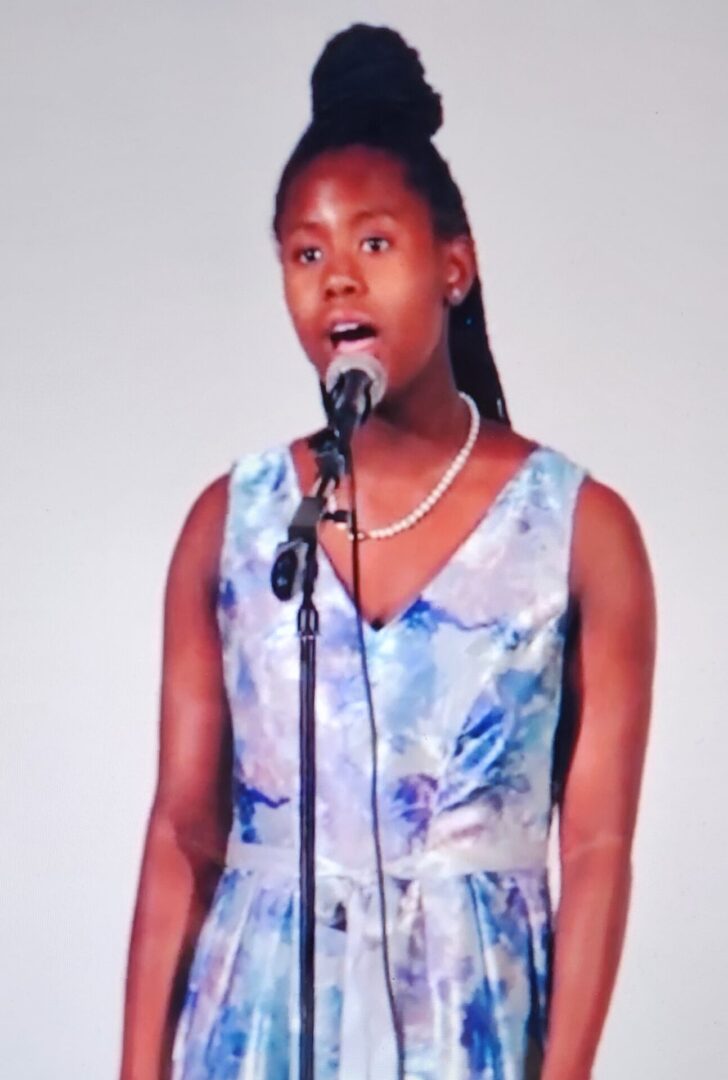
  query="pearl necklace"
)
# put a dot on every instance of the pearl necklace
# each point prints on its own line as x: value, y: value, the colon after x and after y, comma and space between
x: 435, y: 495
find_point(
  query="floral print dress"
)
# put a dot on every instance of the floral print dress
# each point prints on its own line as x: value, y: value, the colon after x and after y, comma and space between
x: 467, y: 688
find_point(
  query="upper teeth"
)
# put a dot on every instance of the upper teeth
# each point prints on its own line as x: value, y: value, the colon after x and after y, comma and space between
x: 341, y: 327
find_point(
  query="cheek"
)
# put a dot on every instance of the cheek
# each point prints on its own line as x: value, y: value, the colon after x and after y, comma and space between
x: 299, y: 295
x: 420, y: 302
x: 416, y: 275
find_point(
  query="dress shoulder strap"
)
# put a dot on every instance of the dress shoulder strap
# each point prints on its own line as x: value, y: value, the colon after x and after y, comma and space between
x: 258, y: 485
x: 553, y: 488
x: 256, y: 514
x: 559, y: 475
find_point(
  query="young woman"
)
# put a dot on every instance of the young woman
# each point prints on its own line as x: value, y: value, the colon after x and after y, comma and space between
x: 508, y: 619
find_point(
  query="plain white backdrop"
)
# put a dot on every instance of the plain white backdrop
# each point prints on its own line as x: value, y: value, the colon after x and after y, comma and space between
x: 144, y: 345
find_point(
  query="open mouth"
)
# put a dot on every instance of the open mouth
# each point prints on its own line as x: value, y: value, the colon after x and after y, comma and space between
x: 345, y: 333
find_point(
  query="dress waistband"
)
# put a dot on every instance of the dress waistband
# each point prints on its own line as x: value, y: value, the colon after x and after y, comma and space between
x: 456, y: 859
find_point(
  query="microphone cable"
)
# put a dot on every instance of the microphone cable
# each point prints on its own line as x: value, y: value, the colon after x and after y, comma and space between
x: 356, y: 583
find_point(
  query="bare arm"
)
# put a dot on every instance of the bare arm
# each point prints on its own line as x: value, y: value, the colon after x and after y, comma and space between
x: 189, y: 819
x: 612, y: 674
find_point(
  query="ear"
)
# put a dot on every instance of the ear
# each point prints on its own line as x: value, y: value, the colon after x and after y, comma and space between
x: 459, y: 269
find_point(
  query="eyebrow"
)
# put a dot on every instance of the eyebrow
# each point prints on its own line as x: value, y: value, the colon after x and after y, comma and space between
x: 364, y: 215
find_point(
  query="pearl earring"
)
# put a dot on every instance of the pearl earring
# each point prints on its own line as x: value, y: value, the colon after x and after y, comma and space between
x: 455, y: 296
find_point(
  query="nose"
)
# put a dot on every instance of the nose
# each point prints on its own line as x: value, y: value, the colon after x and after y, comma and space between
x: 342, y: 280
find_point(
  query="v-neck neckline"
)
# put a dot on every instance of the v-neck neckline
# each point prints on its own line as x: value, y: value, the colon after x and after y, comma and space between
x: 480, y: 525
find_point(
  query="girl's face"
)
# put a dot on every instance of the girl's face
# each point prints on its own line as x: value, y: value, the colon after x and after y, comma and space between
x: 362, y: 267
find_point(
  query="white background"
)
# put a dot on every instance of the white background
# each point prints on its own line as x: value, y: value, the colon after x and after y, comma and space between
x: 144, y: 344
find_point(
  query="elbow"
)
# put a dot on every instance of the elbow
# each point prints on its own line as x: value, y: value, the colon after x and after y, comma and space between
x: 599, y: 867
x: 608, y: 848
x: 199, y: 838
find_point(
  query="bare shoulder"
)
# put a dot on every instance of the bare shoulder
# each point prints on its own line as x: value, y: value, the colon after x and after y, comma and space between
x: 608, y: 548
x: 199, y: 543
x: 498, y: 455
x: 498, y: 442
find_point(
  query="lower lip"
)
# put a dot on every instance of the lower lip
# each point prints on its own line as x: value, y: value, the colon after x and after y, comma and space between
x: 364, y: 345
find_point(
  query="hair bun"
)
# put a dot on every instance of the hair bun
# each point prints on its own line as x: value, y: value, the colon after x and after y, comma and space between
x: 370, y: 74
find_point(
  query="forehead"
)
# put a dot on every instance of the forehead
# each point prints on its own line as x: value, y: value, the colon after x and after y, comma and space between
x: 338, y: 185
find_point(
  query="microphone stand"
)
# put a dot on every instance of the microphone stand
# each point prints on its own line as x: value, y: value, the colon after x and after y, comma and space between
x: 296, y: 568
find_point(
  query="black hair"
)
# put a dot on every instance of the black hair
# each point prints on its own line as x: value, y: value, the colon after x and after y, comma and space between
x: 368, y: 88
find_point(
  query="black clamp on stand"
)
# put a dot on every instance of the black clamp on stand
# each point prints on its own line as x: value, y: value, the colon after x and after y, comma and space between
x: 295, y: 568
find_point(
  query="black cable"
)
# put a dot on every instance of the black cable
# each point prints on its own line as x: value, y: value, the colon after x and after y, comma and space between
x: 356, y: 582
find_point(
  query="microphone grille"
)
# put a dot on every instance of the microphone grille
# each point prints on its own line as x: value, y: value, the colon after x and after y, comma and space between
x: 360, y: 362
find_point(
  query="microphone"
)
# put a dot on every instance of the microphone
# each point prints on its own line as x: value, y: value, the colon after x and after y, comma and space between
x: 355, y: 385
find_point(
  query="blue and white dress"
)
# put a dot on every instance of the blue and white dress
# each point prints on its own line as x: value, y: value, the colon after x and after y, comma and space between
x: 467, y: 687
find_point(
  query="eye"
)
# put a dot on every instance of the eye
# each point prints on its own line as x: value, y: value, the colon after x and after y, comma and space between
x: 375, y: 244
x: 307, y: 255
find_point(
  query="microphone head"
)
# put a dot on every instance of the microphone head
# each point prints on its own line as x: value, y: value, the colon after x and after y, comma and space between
x: 364, y: 362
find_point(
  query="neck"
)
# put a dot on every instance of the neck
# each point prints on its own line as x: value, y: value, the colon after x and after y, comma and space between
x: 420, y: 426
